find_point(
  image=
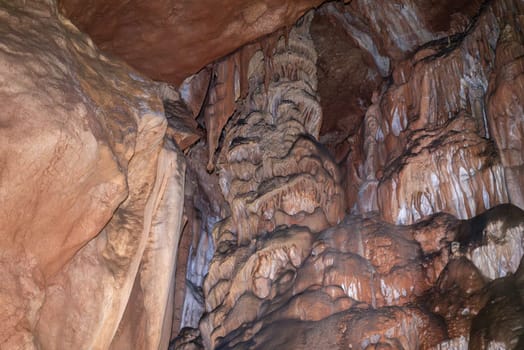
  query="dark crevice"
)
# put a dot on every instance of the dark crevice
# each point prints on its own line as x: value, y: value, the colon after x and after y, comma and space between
x: 449, y: 43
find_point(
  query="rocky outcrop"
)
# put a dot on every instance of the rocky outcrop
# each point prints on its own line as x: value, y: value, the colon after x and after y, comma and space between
x: 90, y: 192
x: 363, y: 268
x: 424, y: 147
x: 387, y: 328
x: 482, y: 276
x: 204, y: 206
x: 273, y: 174
x: 410, y: 24
x: 182, y: 126
x: 499, y: 323
x: 347, y: 193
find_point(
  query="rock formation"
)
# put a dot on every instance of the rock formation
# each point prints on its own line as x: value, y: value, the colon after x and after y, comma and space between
x: 505, y: 109
x: 273, y: 174
x: 348, y: 177
x: 415, y: 120
x: 273, y: 171
x: 357, y: 284
x: 156, y: 37
x: 91, y: 193
x: 449, y: 169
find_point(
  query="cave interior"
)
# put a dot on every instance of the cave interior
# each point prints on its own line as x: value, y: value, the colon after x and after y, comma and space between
x: 292, y: 174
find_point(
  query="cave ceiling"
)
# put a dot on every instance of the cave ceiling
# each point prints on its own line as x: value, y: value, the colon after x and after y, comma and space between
x: 169, y: 40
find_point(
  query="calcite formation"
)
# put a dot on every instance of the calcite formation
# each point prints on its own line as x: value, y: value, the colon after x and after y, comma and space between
x: 435, y: 115
x: 449, y: 169
x: 358, y: 283
x: 90, y: 192
x: 351, y: 178
x: 273, y: 174
x: 470, y: 293
x: 223, y: 93
x: 182, y: 125
x: 505, y: 101
x: 272, y: 170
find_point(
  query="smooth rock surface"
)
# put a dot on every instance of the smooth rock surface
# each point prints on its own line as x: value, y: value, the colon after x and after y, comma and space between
x: 90, y: 192
x: 170, y: 40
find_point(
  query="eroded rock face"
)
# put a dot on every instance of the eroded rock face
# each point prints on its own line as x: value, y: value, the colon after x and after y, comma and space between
x: 273, y: 174
x: 410, y: 24
x: 362, y: 268
x: 347, y: 77
x: 89, y: 189
x: 431, y: 136
x: 424, y: 147
x: 386, y: 328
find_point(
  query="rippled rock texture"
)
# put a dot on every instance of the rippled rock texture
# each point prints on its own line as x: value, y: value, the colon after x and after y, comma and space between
x: 272, y: 170
x: 90, y: 192
x: 426, y: 259
x: 273, y: 173
x: 348, y: 180
x: 433, y: 139
x: 286, y: 276
x: 367, y: 284
x: 505, y: 101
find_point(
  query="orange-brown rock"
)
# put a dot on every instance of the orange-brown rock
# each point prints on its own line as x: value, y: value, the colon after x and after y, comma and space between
x: 385, y: 328
x: 420, y: 102
x: 442, y: 81
x: 493, y: 241
x: 410, y: 24
x: 203, y: 207
x: 372, y: 262
x: 223, y: 93
x: 458, y: 296
x: 194, y: 89
x: 449, y: 169
x: 499, y: 323
x: 367, y: 272
x: 347, y: 76
x: 470, y: 293
x: 182, y: 126
x: 90, y: 192
x: 479, y: 314
x: 170, y: 40
x: 272, y: 170
x: 505, y: 111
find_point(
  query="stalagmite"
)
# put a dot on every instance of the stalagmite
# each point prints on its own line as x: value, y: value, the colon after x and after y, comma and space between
x: 348, y: 176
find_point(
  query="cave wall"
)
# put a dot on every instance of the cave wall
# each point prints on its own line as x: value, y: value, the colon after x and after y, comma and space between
x: 396, y: 273
x: 91, y: 192
x: 156, y: 38
x: 348, y: 177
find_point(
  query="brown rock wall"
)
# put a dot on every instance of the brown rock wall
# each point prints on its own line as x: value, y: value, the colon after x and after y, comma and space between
x: 90, y: 192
